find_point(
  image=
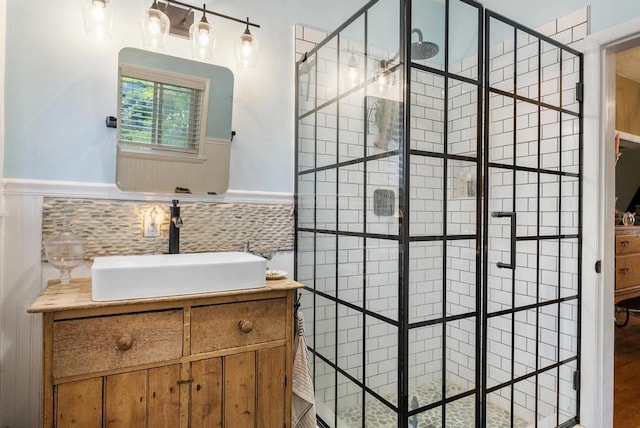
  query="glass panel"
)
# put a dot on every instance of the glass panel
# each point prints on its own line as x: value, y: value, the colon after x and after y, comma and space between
x: 499, y: 409
x: 549, y: 204
x: 427, y: 35
x: 326, y: 136
x: 463, y: 118
x: 569, y: 267
x: 462, y: 192
x: 501, y: 129
x: 351, y: 198
x: 307, y: 85
x: 381, y: 360
x: 461, y: 413
x: 326, y: 263
x: 463, y: 45
x: 306, y: 201
x: 382, y: 45
x: 524, y: 359
x: 570, y: 77
x: 425, y: 365
x: 426, y: 195
x: 307, y: 143
x: 527, y: 65
x: 382, y: 277
x: 461, y: 277
x: 305, y: 251
x: 350, y: 269
x: 325, y: 388
x: 570, y: 205
x: 549, y: 267
x: 350, y: 341
x: 327, y: 70
x: 570, y: 153
x: 568, y: 397
x: 383, y: 178
x: 384, y: 118
x: 526, y: 134
x: 326, y: 203
x: 461, y: 357
x: 568, y: 329
x: 325, y: 341
x: 425, y: 281
x: 526, y: 204
x: 547, y: 336
x: 378, y: 414
x: 524, y: 399
x: 549, y: 139
x: 351, y: 121
x: 430, y: 418
x: 501, y: 55
x: 547, y: 398
x: 526, y: 273
x: 352, y: 56
x: 550, y: 64
x: 349, y: 403
x: 427, y: 112
x: 498, y: 364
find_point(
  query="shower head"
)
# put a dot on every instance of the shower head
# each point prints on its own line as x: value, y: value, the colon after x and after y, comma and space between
x: 421, y: 49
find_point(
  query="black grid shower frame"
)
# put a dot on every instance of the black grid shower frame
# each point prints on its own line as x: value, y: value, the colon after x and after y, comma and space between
x: 403, y: 236
x: 489, y: 90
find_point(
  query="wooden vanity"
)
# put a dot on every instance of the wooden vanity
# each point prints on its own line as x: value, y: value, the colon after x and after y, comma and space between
x: 208, y: 360
x: 627, y: 262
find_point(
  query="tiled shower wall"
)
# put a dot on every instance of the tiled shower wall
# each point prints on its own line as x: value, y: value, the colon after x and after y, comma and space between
x: 427, y: 127
x: 114, y: 227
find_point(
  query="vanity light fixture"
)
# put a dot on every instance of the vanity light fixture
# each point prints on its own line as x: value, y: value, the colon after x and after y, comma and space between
x: 98, y: 18
x: 203, y: 38
x: 248, y: 48
x: 155, y: 27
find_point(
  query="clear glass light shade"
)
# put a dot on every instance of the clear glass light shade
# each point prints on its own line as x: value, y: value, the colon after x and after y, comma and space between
x: 203, y: 40
x: 155, y: 27
x: 248, y: 49
x: 98, y: 18
x: 353, y: 72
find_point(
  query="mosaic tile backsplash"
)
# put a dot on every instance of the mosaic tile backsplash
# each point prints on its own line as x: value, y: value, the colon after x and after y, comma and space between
x: 114, y: 227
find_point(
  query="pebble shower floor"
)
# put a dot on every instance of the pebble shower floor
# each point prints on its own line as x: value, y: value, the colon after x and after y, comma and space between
x: 460, y: 414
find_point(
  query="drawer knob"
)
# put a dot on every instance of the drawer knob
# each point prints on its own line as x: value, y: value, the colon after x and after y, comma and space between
x: 124, y: 343
x: 624, y: 271
x: 245, y: 326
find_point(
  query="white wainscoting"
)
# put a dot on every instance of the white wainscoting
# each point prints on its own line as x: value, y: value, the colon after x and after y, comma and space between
x: 22, y: 279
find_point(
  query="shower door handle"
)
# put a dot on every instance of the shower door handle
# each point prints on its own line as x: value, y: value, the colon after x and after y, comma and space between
x: 512, y: 215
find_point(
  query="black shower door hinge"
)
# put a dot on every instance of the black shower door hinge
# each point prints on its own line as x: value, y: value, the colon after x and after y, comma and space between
x: 576, y: 380
x: 579, y: 92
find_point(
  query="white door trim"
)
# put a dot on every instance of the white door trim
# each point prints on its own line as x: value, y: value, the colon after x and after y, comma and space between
x: 598, y: 216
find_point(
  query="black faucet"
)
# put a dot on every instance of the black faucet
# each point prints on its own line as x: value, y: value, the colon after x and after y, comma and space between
x: 174, y: 228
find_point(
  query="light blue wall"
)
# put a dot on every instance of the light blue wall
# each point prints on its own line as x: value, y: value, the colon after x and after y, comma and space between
x: 60, y: 85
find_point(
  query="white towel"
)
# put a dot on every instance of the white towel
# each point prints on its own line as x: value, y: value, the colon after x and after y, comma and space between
x: 304, y: 403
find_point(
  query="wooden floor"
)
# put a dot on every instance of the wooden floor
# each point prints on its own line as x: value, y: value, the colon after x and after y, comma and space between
x: 626, y: 408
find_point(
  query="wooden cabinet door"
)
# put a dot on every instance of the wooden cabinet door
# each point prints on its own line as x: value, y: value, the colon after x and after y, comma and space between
x: 240, y: 390
x: 79, y: 404
x: 271, y: 387
x: 206, y: 393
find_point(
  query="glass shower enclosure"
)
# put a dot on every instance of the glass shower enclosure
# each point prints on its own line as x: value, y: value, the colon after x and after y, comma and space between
x: 438, y: 227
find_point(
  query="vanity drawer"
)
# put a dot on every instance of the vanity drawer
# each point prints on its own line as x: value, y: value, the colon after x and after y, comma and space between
x: 626, y: 244
x: 89, y: 345
x: 627, y: 271
x: 231, y: 325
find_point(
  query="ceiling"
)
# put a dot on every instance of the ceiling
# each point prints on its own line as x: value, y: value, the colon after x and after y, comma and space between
x: 628, y: 64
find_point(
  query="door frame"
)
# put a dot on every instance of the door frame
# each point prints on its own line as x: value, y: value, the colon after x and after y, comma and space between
x: 598, y: 215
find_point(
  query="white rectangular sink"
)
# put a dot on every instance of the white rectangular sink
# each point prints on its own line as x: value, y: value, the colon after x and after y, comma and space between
x: 159, y: 275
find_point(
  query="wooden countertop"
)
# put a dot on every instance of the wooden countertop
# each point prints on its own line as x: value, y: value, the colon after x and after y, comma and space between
x: 77, y: 295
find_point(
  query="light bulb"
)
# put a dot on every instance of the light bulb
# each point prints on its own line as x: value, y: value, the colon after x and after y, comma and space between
x: 246, y: 48
x: 203, y: 36
x: 98, y: 18
x: 97, y: 12
x: 154, y: 25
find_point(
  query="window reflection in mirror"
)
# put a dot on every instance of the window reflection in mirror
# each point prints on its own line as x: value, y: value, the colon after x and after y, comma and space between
x: 174, y: 120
